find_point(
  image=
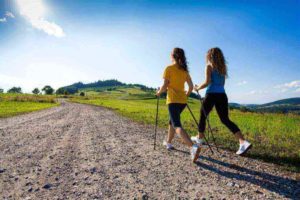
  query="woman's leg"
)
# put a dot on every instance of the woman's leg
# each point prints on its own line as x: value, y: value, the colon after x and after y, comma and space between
x: 185, y: 137
x: 175, y: 119
x: 175, y: 110
x: 171, y: 134
x: 222, y: 110
x: 207, y: 106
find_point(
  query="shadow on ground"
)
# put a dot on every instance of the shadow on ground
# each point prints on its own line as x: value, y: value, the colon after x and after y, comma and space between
x: 283, y: 186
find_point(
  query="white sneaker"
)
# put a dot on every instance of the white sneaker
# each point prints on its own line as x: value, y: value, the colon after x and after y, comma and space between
x: 169, y: 146
x: 199, y: 141
x: 244, y: 148
x: 195, y: 152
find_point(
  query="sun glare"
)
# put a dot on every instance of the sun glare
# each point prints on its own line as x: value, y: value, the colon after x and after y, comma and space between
x: 33, y: 9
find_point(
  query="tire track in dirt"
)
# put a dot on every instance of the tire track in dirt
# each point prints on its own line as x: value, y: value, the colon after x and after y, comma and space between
x: 88, y: 152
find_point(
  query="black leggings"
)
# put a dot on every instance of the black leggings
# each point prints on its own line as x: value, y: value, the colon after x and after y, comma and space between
x: 221, y: 102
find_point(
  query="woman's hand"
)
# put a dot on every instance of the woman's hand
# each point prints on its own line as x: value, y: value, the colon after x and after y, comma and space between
x: 196, y: 88
x: 158, y: 92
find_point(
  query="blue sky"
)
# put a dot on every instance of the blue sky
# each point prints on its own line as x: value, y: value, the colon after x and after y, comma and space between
x: 61, y: 42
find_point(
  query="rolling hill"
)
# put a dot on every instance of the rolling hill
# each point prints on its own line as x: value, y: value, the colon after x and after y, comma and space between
x: 290, y: 105
x: 290, y: 101
x: 110, y: 86
x: 139, y: 91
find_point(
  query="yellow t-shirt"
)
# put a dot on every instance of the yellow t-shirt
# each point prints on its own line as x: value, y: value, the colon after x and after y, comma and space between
x: 177, y: 78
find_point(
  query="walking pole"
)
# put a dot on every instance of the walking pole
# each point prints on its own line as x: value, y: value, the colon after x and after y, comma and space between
x: 156, y: 120
x: 208, y: 123
x: 198, y: 126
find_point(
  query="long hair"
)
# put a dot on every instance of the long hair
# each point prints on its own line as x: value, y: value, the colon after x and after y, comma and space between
x: 216, y: 58
x: 179, y: 57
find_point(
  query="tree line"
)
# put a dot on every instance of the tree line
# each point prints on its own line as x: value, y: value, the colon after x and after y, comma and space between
x: 48, y: 90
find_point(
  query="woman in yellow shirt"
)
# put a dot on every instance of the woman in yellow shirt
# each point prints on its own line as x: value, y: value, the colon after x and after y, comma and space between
x: 175, y: 76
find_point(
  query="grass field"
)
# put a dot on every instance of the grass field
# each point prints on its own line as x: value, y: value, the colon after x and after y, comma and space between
x: 14, y: 104
x: 276, y: 137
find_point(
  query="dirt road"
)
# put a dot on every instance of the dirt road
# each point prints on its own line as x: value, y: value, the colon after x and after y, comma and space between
x: 85, y: 152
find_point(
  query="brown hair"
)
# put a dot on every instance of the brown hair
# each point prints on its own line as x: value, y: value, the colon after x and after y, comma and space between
x: 216, y: 58
x: 179, y: 57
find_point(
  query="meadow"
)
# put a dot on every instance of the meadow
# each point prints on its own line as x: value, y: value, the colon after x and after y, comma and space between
x: 14, y: 104
x: 276, y: 137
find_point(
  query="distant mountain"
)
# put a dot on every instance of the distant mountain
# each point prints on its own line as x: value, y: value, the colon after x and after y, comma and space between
x: 290, y: 101
x: 290, y: 105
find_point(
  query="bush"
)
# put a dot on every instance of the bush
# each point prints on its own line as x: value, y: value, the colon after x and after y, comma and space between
x: 82, y: 94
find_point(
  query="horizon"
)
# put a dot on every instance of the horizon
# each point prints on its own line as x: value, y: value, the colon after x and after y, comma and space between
x: 49, y: 42
x: 154, y: 88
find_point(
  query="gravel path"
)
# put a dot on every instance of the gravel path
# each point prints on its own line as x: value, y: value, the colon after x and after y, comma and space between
x: 79, y: 151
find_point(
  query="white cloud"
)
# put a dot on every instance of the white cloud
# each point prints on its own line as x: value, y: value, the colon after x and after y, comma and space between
x: 48, y: 27
x: 242, y: 83
x: 292, y: 84
x: 287, y: 87
x: 34, y: 11
x: 255, y: 92
x: 3, y: 20
x: 9, y: 14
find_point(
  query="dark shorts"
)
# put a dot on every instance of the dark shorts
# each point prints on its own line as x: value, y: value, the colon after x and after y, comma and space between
x: 175, y: 109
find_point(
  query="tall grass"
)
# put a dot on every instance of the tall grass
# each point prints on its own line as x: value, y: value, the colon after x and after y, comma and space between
x: 14, y: 104
x: 28, y: 98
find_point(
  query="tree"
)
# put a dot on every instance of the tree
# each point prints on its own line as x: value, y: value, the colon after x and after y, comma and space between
x: 15, y: 90
x: 68, y: 89
x: 60, y: 91
x: 36, y: 91
x: 1, y: 90
x: 82, y: 94
x: 48, y: 90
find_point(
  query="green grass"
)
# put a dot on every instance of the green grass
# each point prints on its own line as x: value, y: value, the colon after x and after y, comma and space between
x: 276, y: 137
x: 15, y: 104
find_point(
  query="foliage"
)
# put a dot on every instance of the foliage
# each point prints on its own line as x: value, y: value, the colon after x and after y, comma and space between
x: 48, y: 90
x: 67, y: 90
x: 60, y: 91
x: 1, y: 90
x: 15, y: 90
x: 36, y: 91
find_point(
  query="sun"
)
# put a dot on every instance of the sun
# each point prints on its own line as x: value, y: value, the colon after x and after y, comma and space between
x: 34, y: 9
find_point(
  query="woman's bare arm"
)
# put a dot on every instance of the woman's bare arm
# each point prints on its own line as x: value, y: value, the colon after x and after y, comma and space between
x: 207, y: 81
x: 163, y: 88
x: 191, y: 86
